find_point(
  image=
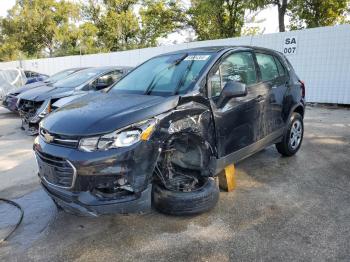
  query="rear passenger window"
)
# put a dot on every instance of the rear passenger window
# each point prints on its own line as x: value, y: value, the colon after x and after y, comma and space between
x: 268, y: 67
x: 280, y: 67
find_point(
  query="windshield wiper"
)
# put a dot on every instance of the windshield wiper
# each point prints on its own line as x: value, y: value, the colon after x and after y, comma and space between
x: 182, y: 80
x: 156, y: 79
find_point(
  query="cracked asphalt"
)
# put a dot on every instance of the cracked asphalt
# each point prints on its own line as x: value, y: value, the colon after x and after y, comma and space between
x: 284, y: 209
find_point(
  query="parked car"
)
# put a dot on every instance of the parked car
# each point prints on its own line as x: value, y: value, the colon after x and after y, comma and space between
x: 10, y: 79
x: 33, y: 77
x: 35, y: 104
x: 167, y: 128
x: 10, y: 100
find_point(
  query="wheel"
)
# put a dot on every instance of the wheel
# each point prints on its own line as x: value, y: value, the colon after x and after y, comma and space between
x: 292, y: 137
x: 186, y: 203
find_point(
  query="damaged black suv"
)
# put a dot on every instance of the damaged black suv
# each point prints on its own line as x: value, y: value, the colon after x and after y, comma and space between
x: 162, y: 133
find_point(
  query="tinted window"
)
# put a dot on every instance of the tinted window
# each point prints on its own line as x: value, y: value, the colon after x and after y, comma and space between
x: 79, y: 78
x: 280, y: 67
x: 164, y: 75
x: 60, y: 75
x: 268, y: 67
x: 106, y: 79
x: 238, y: 67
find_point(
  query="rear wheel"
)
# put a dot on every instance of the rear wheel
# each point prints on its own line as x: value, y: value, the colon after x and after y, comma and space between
x: 292, y: 137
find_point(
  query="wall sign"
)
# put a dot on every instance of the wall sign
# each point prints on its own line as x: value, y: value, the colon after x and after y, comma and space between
x: 290, y: 45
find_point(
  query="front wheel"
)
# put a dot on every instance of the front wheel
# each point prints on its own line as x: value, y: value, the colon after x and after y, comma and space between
x: 292, y: 137
x: 180, y: 203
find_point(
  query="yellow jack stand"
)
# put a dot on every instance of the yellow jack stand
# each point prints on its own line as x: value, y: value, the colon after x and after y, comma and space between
x: 227, y: 178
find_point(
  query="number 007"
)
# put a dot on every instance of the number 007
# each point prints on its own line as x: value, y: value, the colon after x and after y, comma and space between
x: 289, y: 50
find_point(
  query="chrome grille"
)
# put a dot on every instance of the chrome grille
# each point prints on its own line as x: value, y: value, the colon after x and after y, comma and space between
x: 55, y: 170
x: 56, y: 139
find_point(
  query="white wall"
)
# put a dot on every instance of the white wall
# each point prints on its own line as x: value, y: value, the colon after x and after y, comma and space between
x: 322, y: 59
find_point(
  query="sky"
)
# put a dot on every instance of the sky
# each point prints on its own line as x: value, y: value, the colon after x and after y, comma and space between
x: 269, y: 15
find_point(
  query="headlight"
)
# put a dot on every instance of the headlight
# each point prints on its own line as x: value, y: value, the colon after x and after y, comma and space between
x: 43, y: 110
x: 122, y: 138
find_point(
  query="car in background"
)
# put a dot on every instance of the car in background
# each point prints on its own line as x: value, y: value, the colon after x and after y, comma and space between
x: 10, y: 100
x: 33, y: 77
x: 35, y: 104
x: 10, y: 79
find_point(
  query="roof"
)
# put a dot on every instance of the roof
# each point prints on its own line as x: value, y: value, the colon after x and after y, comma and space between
x: 102, y: 68
x: 217, y: 49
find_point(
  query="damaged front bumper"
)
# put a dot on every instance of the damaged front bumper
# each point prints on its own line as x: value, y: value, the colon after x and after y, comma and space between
x: 32, y: 113
x: 10, y: 102
x: 97, y: 183
x: 88, y: 204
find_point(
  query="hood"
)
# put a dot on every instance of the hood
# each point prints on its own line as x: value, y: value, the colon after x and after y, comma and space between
x: 100, y: 113
x: 65, y: 100
x: 42, y: 93
x: 25, y: 88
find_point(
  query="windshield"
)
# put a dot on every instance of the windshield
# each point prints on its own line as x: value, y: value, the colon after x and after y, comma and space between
x: 164, y: 75
x: 78, y: 78
x: 60, y: 75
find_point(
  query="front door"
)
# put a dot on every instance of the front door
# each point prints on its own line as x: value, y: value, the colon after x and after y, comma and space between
x: 239, y: 121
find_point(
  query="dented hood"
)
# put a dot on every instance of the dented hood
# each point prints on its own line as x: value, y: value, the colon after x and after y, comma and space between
x: 27, y: 87
x: 42, y: 93
x: 99, y: 113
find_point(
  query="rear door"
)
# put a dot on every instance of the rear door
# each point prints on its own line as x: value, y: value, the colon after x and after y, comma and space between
x: 275, y: 78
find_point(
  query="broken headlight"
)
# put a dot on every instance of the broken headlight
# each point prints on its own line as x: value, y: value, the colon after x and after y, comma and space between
x: 43, y: 110
x: 121, y: 138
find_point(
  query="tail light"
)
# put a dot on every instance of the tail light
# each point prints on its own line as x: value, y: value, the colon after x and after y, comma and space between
x: 302, y: 85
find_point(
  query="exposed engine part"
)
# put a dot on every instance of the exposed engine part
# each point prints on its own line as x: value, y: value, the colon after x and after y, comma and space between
x: 181, y: 166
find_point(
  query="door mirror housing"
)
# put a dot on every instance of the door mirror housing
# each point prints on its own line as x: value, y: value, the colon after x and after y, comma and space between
x: 230, y: 90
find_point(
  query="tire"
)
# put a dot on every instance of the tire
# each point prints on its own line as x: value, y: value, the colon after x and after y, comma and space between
x: 293, y: 136
x: 186, y: 203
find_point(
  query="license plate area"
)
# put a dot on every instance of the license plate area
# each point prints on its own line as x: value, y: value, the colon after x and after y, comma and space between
x: 46, y: 171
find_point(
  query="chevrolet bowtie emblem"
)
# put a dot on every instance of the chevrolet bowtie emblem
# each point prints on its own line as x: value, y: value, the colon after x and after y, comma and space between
x: 48, y: 138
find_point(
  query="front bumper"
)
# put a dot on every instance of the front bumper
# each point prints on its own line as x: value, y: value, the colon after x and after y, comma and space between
x: 10, y: 102
x: 85, y: 203
x: 93, y: 170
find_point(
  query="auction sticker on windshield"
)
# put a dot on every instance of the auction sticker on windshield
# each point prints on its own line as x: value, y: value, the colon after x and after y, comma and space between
x: 197, y: 57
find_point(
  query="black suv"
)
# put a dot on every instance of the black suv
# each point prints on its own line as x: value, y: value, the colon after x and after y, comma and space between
x: 167, y: 128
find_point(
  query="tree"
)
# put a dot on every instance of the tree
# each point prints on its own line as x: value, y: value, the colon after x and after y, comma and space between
x: 282, y: 10
x: 213, y: 19
x: 158, y: 19
x: 282, y: 7
x: 316, y: 13
x: 120, y: 27
x: 39, y: 25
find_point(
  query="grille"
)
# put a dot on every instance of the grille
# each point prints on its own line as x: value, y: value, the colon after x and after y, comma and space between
x: 55, y: 170
x: 56, y: 139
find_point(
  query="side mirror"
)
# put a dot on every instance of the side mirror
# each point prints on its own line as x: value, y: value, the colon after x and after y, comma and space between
x: 230, y: 90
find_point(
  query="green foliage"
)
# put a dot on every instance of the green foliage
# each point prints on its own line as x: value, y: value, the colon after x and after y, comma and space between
x: 42, y: 28
x: 316, y: 13
x: 213, y: 19
x: 158, y: 19
x: 38, y: 26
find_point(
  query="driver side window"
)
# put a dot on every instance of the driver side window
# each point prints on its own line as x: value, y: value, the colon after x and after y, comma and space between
x: 238, y: 67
